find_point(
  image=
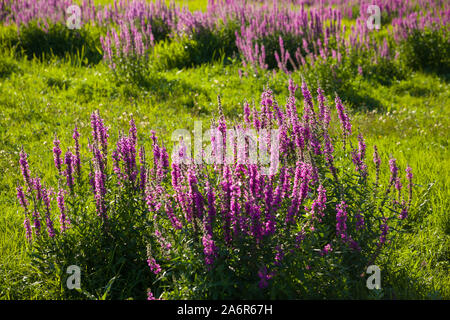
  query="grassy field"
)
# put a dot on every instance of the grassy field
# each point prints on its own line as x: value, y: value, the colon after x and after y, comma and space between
x: 408, y: 118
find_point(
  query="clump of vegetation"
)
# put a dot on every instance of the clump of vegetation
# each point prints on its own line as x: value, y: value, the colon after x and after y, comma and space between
x: 307, y: 225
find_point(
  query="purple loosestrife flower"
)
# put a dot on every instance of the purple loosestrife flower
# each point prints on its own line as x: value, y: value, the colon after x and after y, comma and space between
x: 139, y: 46
x: 165, y: 245
x: 57, y: 154
x: 100, y: 192
x: 150, y: 199
x: 253, y: 180
x: 360, y: 223
x: 62, y: 209
x: 164, y: 158
x: 154, y: 267
x: 384, y: 230
x: 360, y: 166
x: 125, y: 34
x: 341, y: 218
x: 306, y: 175
x: 324, y: 113
x: 22, y: 199
x: 266, y: 112
x: 209, y: 249
x: 409, y: 177
x: 256, y: 121
x: 264, y: 277
x: 315, y: 143
x: 254, y: 211
x: 270, y: 225
x: 299, y: 135
x: 94, y: 126
x: 279, y: 114
x: 409, y: 174
x: 77, y: 159
x: 127, y: 153
x: 226, y: 184
x: 353, y: 244
x: 319, y: 204
x: 277, y: 198
x: 176, y: 224
x: 116, y: 165
x: 36, y: 223
x: 23, y: 162
x: 176, y: 176
x: 38, y: 187
x: 398, y: 185
x: 279, y: 255
x: 156, y: 150
x: 68, y: 160
x: 211, y: 207
x: 343, y: 117
x: 27, y: 226
x: 326, y: 250
x: 99, y: 133
x: 150, y: 296
x: 48, y: 220
x: 309, y: 106
x: 292, y: 88
x: 404, y: 213
x: 361, y: 147
x: 195, y: 196
x: 292, y: 211
x: 235, y: 207
x: 133, y: 132
x: 176, y: 184
x: 360, y: 70
x: 394, y: 169
x: 328, y: 151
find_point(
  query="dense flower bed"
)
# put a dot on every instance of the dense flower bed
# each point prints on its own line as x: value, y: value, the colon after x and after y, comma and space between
x: 281, y: 35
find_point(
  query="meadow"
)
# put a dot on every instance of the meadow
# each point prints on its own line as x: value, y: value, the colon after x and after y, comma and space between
x: 161, y: 68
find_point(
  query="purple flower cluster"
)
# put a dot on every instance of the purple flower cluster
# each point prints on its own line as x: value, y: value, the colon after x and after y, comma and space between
x: 210, y: 249
x: 343, y: 117
x: 358, y: 157
x: 341, y: 217
x: 326, y: 250
x: 154, y: 267
x: 69, y: 162
x: 57, y: 154
x: 384, y: 230
x: 23, y: 162
x: 341, y: 226
x: 77, y: 158
x: 319, y: 204
x: 264, y: 277
x: 63, y: 220
x: 317, y: 31
x: 36, y: 192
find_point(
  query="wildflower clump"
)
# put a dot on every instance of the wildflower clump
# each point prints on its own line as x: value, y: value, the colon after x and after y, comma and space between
x: 304, y: 218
